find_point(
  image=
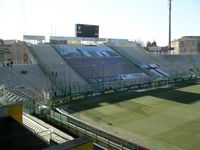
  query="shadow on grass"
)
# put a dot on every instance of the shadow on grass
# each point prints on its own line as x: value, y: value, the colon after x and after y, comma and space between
x: 179, y: 96
x: 168, y: 93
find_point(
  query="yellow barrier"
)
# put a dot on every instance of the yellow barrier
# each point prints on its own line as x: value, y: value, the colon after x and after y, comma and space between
x: 15, y: 111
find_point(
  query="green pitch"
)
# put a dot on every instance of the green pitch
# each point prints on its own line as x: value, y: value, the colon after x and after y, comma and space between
x: 163, y: 119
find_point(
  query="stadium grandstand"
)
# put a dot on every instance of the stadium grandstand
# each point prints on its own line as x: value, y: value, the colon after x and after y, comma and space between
x: 49, y: 78
x: 79, y: 68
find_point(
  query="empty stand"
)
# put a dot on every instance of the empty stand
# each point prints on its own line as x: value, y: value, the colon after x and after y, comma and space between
x: 168, y: 64
x: 16, y: 85
x: 34, y: 76
x: 98, y: 63
x: 178, y: 64
x: 57, y: 68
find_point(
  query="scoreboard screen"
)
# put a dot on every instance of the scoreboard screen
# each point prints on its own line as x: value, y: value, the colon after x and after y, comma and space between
x: 83, y: 30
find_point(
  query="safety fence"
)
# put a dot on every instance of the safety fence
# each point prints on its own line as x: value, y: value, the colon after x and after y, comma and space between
x: 126, y: 86
x: 81, y: 128
x: 95, y: 133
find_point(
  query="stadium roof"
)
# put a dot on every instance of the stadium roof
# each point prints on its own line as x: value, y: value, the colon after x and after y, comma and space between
x: 13, y: 135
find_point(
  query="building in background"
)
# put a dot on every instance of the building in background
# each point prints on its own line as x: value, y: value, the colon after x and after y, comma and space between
x: 186, y: 45
x: 17, y: 52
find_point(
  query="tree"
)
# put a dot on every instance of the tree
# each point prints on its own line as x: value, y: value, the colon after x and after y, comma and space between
x: 148, y: 44
x: 154, y: 43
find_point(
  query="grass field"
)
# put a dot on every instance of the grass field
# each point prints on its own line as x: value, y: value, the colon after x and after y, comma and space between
x: 163, y: 119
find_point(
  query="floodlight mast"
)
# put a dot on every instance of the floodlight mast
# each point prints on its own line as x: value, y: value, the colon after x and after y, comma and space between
x: 170, y: 8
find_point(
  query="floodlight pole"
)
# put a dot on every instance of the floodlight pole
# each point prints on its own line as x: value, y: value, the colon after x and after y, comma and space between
x: 70, y: 82
x: 170, y: 8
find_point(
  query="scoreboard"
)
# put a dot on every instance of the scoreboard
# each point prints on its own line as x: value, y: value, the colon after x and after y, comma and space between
x: 83, y: 30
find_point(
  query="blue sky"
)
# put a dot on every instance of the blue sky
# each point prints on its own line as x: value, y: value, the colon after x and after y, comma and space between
x: 133, y: 19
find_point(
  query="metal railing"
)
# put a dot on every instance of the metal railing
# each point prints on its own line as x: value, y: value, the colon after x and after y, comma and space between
x: 96, y: 133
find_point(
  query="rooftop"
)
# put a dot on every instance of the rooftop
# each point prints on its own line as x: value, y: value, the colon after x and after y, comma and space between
x: 13, y: 135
